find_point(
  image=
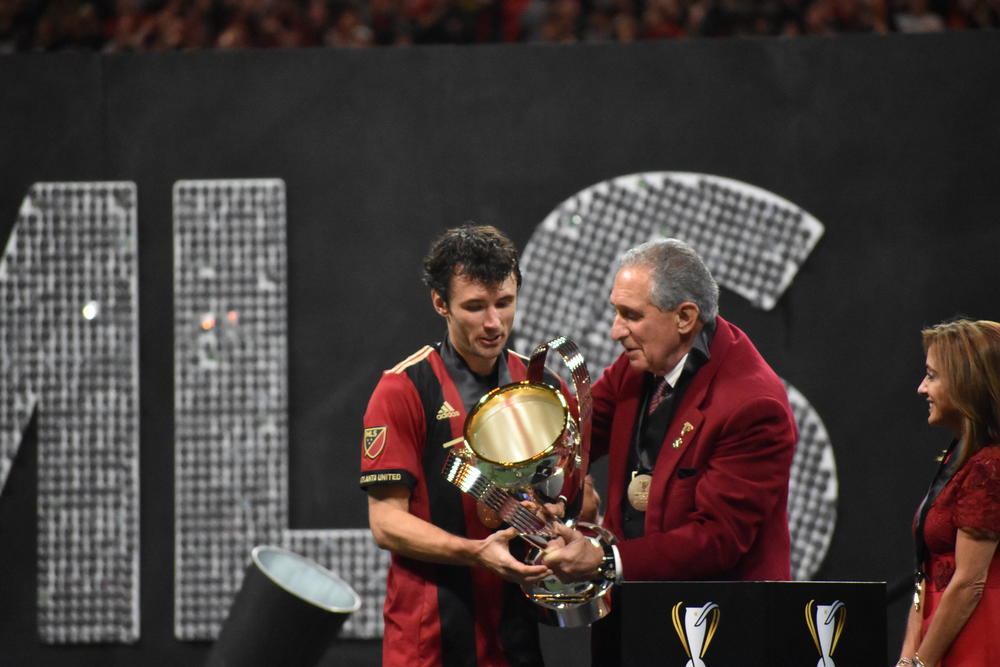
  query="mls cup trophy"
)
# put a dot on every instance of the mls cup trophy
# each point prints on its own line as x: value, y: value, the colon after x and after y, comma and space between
x: 525, y: 441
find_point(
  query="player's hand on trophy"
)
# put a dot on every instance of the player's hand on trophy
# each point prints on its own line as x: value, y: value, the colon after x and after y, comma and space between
x: 494, y: 554
x: 572, y: 556
x: 547, y: 512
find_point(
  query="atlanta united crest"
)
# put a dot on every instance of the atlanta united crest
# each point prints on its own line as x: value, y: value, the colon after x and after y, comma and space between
x: 374, y: 441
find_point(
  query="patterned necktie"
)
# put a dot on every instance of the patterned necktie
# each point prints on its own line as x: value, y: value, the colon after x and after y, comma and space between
x: 659, y: 393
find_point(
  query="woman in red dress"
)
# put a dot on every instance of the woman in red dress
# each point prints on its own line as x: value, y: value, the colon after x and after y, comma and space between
x: 955, y: 618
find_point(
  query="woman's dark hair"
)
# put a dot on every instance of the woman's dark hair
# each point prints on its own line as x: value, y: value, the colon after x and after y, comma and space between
x: 481, y: 253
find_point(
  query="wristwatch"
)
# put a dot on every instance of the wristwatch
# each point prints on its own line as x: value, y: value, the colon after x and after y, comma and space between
x: 606, y: 568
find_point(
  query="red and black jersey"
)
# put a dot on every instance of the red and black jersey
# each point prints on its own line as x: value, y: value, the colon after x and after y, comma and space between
x: 440, y: 615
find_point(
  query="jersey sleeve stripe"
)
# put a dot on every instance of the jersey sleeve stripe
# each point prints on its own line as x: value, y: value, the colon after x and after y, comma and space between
x: 518, y: 355
x: 414, y: 358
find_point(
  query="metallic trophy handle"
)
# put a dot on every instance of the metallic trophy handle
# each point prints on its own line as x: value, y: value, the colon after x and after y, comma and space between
x: 472, y: 481
x: 573, y: 359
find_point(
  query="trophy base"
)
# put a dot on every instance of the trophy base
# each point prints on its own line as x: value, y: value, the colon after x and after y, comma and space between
x: 573, y: 605
x: 576, y: 614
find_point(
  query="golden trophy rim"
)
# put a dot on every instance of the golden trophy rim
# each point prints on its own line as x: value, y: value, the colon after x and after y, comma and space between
x: 489, y: 397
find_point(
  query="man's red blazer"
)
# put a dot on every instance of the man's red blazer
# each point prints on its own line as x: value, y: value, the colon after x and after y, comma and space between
x: 718, y: 500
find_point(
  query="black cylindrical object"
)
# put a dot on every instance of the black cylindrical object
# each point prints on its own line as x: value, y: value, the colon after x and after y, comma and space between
x: 287, y: 612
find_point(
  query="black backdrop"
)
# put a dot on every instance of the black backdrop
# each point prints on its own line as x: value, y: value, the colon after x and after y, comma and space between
x: 893, y: 143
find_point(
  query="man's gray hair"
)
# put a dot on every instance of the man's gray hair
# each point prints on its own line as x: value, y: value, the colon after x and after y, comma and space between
x: 678, y: 275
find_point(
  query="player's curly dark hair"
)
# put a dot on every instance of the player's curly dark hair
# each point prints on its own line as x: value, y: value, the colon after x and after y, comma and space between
x: 481, y: 253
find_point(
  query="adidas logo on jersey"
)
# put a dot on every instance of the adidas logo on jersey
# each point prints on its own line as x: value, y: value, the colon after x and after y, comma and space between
x: 446, y: 411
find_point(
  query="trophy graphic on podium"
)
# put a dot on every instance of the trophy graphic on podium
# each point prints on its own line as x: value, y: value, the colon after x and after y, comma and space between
x: 696, y: 630
x: 826, y: 622
x: 525, y: 441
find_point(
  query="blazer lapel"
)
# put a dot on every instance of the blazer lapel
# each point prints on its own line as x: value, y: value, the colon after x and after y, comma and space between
x: 685, y: 427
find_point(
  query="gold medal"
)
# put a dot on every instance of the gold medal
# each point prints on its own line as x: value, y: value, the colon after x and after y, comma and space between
x: 638, y: 491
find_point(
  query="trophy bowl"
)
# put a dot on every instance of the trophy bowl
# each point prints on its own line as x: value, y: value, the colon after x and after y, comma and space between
x: 523, y: 435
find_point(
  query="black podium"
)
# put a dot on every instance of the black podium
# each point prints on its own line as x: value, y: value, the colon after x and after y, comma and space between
x: 725, y: 624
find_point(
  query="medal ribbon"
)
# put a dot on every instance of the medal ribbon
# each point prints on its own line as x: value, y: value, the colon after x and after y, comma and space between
x: 944, y: 474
